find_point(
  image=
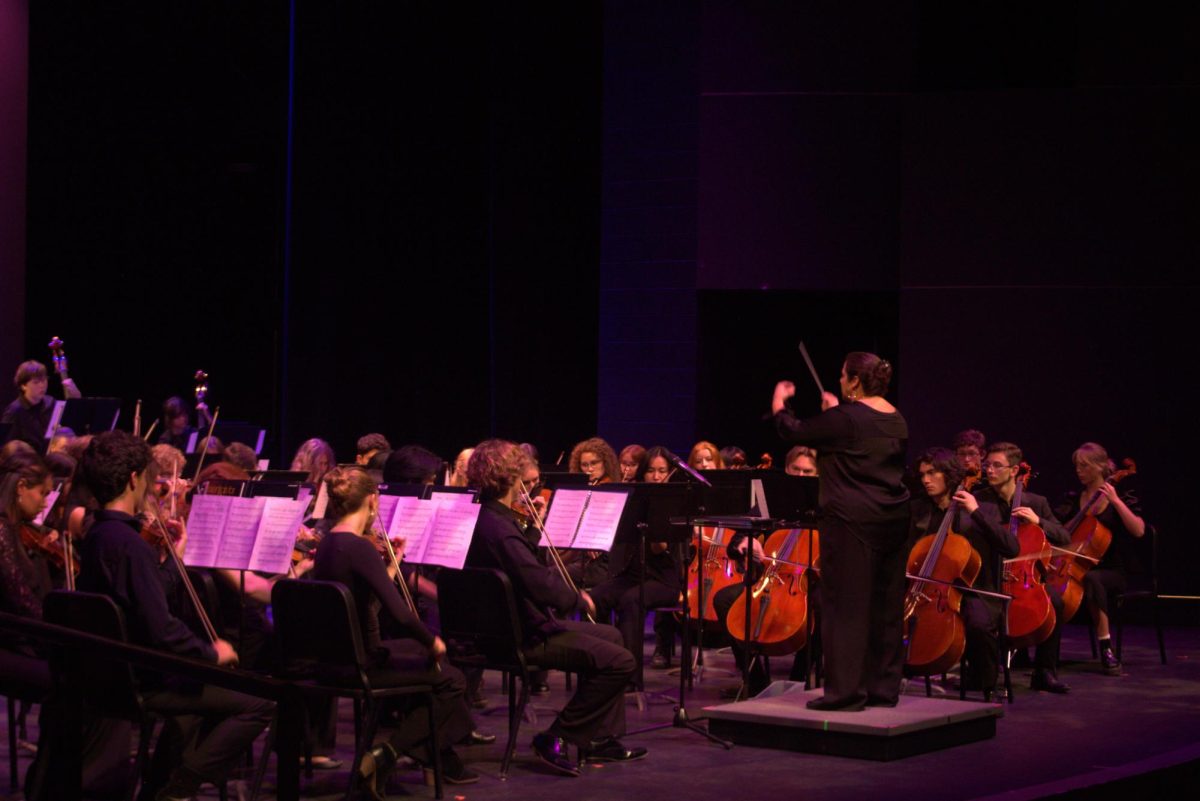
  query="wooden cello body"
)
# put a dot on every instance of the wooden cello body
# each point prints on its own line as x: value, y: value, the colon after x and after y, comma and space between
x: 934, y: 628
x: 709, y: 573
x: 1031, y: 616
x: 779, y: 600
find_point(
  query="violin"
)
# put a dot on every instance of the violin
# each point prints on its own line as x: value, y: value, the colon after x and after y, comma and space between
x: 779, y: 600
x: 934, y: 628
x: 1089, y: 542
x: 765, y: 462
x: 1031, y: 616
x: 55, y: 551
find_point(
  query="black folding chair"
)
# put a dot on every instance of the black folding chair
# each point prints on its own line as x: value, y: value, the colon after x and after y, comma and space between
x: 318, y: 641
x: 482, y: 630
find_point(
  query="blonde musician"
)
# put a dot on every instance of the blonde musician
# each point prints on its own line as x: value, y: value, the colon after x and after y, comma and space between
x: 705, y: 456
x: 629, y: 459
x: 801, y: 461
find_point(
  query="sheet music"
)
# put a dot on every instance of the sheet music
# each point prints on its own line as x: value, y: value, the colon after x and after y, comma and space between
x: 241, y: 529
x: 205, y: 523
x: 281, y: 519
x: 600, y: 519
x: 191, y: 443
x: 562, y: 520
x: 51, y: 499
x: 264, y: 464
x: 55, y: 418
x: 318, y: 512
x: 453, y: 526
x: 387, y: 509
x: 411, y: 521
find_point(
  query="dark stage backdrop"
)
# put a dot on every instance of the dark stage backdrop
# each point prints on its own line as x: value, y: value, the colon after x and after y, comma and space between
x: 439, y: 284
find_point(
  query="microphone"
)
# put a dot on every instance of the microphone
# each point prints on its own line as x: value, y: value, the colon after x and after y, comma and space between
x: 685, y: 467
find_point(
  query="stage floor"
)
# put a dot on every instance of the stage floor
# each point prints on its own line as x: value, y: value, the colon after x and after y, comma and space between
x: 1106, y: 730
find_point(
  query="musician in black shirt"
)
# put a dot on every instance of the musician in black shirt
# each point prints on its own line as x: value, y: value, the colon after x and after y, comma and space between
x: 29, y: 415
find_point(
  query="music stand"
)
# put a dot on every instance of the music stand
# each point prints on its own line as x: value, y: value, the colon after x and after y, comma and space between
x: 86, y: 415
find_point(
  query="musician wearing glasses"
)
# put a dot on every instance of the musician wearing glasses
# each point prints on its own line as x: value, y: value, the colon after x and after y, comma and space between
x: 1001, y: 464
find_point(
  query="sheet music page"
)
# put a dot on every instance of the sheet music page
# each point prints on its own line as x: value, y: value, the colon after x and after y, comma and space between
x: 600, y: 521
x: 51, y: 499
x: 55, y: 418
x: 411, y: 522
x: 205, y: 522
x: 387, y: 509
x: 241, y: 529
x: 566, y: 507
x: 452, y: 530
x: 264, y: 464
x: 318, y: 512
x: 191, y: 443
x: 281, y: 519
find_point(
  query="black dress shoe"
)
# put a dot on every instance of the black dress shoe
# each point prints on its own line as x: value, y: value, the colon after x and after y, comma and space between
x: 1047, y: 682
x: 828, y: 705
x: 610, y: 749
x: 884, y: 702
x: 554, y: 753
x: 1109, y: 663
x: 374, y: 769
x: 478, y: 738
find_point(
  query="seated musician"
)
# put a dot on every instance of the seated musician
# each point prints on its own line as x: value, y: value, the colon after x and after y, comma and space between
x: 24, y: 576
x: 458, y: 475
x: 940, y: 473
x: 61, y: 440
x: 347, y: 555
x: 241, y: 455
x: 30, y: 413
x: 1001, y: 462
x: 968, y: 449
x: 314, y: 457
x: 367, y: 446
x: 801, y: 461
x: 595, y: 715
x: 629, y: 459
x: 622, y: 591
x: 733, y: 457
x: 596, y: 459
x: 175, y: 428
x: 1119, y: 512
x: 706, y: 456
x: 212, y: 726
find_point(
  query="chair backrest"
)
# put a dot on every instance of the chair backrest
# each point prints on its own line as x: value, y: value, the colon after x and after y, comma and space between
x: 108, y: 686
x: 316, y: 621
x: 478, y: 614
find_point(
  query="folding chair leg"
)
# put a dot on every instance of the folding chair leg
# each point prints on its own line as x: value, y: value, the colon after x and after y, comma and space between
x: 12, y: 744
x: 514, y: 725
x: 1162, y: 648
x: 141, y: 764
x: 363, y: 742
x: 261, y: 770
x: 435, y: 750
x: 928, y: 687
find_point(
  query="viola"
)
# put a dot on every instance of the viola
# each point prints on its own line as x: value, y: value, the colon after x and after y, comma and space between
x: 933, y: 626
x: 1089, y: 542
x: 1031, y: 616
x: 709, y: 572
x: 779, y: 599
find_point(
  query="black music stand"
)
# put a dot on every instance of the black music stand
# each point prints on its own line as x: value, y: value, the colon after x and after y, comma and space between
x: 89, y: 415
x: 660, y: 501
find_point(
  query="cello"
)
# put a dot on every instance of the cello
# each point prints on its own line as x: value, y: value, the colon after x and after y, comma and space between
x: 1031, y: 616
x: 709, y: 572
x: 934, y: 628
x: 779, y: 600
x: 1089, y: 541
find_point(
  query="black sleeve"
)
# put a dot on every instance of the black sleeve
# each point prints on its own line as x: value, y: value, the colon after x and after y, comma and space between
x: 149, y: 602
x: 367, y: 564
x: 16, y: 585
x: 827, y: 427
x: 541, y: 584
x: 1055, y: 532
x: 987, y: 519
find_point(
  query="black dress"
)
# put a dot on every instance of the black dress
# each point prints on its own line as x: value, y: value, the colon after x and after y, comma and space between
x: 351, y: 560
x: 863, y: 523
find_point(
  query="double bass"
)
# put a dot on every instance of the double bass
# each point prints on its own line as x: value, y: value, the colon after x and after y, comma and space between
x: 1089, y: 542
x: 779, y: 600
x: 1031, y: 616
x: 934, y: 628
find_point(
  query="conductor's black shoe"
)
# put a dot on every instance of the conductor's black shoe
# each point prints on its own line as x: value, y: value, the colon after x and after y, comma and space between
x: 823, y: 704
x: 554, y: 753
x: 1110, y: 663
x: 884, y: 702
x: 1047, y: 682
x: 610, y: 749
x: 479, y: 738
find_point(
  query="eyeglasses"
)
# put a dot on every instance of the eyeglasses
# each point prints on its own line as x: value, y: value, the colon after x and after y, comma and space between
x: 994, y: 465
x: 590, y: 465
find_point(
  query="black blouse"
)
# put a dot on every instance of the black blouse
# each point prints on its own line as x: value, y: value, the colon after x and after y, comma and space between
x: 860, y: 456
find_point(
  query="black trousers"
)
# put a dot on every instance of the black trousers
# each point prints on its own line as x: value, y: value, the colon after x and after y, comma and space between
x: 981, y: 620
x: 1045, y: 657
x: 208, y: 729
x: 1101, y: 584
x: 605, y: 668
x: 408, y: 663
x: 620, y: 594
x: 862, y: 614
